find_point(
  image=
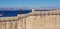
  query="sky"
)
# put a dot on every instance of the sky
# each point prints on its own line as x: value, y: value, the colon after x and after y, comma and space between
x: 29, y: 3
x: 9, y: 3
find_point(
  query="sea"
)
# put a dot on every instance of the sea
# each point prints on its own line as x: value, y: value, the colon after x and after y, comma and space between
x: 25, y: 11
x: 12, y: 13
x: 9, y: 13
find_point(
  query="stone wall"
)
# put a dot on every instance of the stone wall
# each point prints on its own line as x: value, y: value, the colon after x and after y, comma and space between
x: 33, y: 20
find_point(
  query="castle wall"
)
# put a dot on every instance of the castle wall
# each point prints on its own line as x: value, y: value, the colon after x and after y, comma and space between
x: 33, y: 20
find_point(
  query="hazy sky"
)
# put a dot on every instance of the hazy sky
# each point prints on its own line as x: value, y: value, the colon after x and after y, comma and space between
x: 29, y: 3
x: 9, y: 3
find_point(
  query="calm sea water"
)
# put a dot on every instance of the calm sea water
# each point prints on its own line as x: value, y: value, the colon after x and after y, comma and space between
x: 25, y: 11
x: 13, y: 13
x: 8, y: 13
x: 4, y: 13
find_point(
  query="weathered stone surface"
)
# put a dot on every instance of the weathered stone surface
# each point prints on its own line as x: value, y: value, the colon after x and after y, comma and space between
x: 33, y: 20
